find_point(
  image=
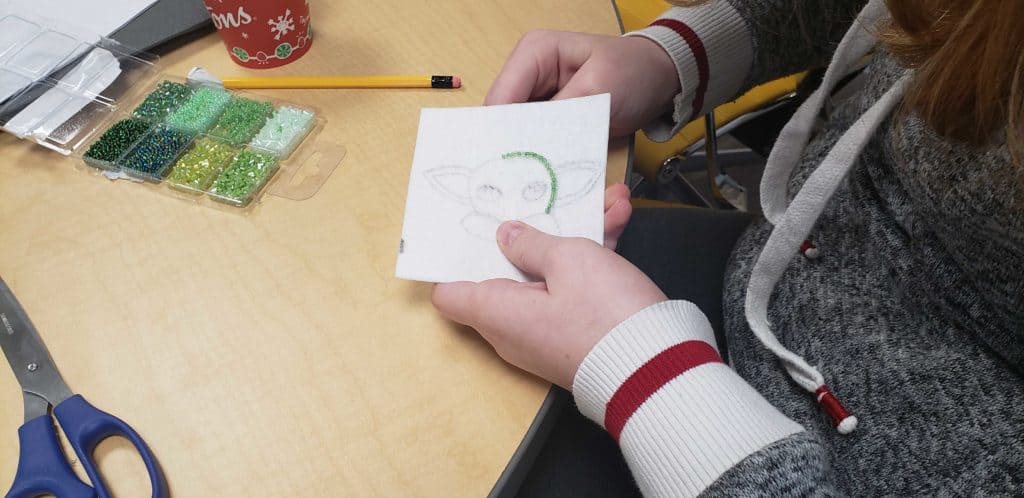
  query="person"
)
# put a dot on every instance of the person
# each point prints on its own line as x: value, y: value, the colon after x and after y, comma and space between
x: 893, y: 362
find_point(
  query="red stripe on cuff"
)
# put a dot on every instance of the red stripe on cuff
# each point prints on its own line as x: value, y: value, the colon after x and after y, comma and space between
x: 700, y: 56
x: 657, y: 372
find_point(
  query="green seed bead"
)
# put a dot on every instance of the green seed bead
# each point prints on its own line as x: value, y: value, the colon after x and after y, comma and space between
x: 152, y: 154
x: 196, y: 169
x: 243, y: 178
x: 167, y: 96
x: 114, y: 142
x: 200, y: 111
x: 284, y: 131
x: 241, y: 120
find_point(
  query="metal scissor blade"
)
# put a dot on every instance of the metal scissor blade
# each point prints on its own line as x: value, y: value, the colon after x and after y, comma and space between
x: 26, y: 352
x: 34, y: 406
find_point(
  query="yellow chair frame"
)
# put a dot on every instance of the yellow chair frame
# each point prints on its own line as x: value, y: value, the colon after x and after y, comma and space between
x: 649, y: 156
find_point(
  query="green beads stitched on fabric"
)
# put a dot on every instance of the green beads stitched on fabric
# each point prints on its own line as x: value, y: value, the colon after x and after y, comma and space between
x: 547, y: 167
x: 241, y: 120
x: 167, y: 97
x: 196, y: 169
x: 200, y: 111
x: 115, y: 141
x: 244, y: 177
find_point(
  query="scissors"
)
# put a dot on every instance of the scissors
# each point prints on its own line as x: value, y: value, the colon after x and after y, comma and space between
x: 42, y: 467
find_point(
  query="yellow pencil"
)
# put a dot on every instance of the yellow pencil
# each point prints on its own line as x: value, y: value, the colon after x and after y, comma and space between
x: 436, y: 81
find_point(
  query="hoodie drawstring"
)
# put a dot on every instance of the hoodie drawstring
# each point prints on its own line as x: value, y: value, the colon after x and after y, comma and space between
x: 793, y: 223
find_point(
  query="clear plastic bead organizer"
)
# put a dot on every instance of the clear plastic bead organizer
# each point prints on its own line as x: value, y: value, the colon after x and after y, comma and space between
x: 205, y: 143
x: 107, y: 105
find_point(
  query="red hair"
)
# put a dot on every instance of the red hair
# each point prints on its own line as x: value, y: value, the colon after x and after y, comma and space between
x: 969, y: 62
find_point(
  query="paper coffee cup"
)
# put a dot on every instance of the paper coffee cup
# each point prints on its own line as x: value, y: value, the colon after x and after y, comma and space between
x: 264, y: 33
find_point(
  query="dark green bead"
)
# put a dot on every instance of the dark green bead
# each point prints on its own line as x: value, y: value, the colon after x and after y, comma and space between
x: 115, y: 141
x: 150, y: 157
x: 167, y: 97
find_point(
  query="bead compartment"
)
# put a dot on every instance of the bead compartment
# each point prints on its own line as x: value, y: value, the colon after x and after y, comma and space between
x: 241, y: 119
x: 200, y: 111
x: 150, y: 156
x: 196, y: 169
x: 114, y: 142
x: 163, y: 100
x: 248, y: 172
x: 284, y: 131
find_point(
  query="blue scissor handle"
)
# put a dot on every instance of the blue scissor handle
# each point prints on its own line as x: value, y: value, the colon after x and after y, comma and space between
x: 42, y: 467
x: 86, y: 426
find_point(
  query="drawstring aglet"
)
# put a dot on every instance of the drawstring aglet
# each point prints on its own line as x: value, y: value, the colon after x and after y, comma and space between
x: 809, y: 250
x: 841, y: 419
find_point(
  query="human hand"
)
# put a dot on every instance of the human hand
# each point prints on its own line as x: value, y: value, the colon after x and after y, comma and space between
x: 638, y: 73
x: 616, y: 213
x: 548, y: 327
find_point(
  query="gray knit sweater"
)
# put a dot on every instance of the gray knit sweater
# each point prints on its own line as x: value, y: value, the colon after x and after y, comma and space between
x: 914, y: 310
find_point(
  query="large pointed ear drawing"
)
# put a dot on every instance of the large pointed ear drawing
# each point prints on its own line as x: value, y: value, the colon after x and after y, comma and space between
x: 575, y: 179
x: 452, y: 181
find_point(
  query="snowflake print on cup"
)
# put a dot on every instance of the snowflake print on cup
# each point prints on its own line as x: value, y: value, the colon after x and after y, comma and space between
x: 282, y: 25
x: 263, y: 34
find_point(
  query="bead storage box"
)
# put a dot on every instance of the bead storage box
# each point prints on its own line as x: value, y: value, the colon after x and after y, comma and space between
x: 202, y: 142
x: 107, y: 105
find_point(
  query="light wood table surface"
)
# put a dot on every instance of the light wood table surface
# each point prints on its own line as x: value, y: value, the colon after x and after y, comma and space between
x: 275, y: 354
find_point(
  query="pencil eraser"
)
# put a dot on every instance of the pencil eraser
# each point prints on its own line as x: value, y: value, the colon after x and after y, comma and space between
x: 456, y: 82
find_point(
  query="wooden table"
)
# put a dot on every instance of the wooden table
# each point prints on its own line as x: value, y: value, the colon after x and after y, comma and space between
x: 275, y: 354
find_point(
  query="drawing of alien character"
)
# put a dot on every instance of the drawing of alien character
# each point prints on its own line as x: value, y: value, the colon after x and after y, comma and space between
x: 519, y: 185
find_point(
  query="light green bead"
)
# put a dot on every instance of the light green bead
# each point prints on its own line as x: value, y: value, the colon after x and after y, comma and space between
x: 239, y: 183
x: 200, y: 111
x: 196, y: 169
x: 241, y: 120
x: 284, y: 131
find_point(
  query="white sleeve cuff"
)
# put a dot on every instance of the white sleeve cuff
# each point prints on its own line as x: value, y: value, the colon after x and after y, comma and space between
x: 712, y: 49
x: 630, y: 345
x: 682, y: 417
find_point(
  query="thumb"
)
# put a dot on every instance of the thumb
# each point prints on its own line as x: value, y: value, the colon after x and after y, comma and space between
x: 526, y: 247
